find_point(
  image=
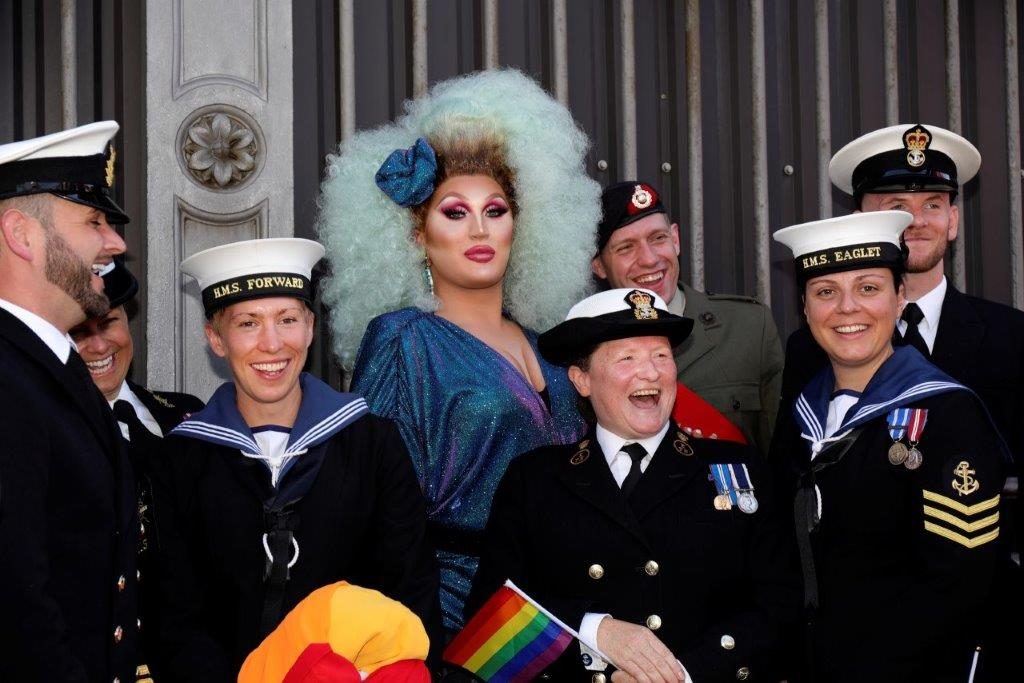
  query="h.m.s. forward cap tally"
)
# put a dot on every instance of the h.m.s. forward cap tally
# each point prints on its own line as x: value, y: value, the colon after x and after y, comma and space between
x: 860, y: 240
x: 905, y: 158
x: 612, y: 314
x: 254, y: 269
x: 75, y: 164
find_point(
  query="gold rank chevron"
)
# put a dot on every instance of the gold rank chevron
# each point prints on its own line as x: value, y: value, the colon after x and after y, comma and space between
x: 954, y: 514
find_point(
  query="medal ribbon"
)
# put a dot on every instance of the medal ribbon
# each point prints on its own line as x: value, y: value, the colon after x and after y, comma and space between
x: 898, y: 420
x: 723, y: 481
x: 742, y: 478
x: 918, y: 418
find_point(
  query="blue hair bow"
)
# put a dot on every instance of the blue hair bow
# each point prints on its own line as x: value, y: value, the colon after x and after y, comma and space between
x: 407, y: 175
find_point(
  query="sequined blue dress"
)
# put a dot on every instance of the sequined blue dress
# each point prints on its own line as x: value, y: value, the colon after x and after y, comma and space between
x: 465, y: 412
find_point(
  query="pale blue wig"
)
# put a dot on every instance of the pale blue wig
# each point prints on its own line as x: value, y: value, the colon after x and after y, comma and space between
x: 376, y: 265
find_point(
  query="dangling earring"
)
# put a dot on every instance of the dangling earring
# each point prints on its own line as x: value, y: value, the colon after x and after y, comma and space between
x: 427, y: 274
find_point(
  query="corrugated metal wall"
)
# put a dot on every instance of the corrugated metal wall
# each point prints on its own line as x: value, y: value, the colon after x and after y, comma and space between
x: 731, y: 107
x: 107, y: 82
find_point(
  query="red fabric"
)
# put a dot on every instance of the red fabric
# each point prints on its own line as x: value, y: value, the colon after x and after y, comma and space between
x: 318, y: 663
x: 411, y: 670
x: 691, y: 412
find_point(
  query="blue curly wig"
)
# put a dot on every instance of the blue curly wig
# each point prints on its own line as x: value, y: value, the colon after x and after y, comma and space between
x: 377, y: 266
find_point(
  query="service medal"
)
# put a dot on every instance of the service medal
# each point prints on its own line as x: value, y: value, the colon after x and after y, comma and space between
x: 722, y: 502
x: 914, y: 459
x: 748, y: 503
x: 897, y: 453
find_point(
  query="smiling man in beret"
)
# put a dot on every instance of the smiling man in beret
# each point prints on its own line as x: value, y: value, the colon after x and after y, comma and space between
x: 733, y: 358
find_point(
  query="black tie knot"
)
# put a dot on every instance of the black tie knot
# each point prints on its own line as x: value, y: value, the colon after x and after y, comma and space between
x: 635, y: 451
x: 912, y: 314
x: 124, y: 411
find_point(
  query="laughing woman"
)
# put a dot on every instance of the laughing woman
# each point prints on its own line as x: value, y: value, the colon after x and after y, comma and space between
x: 896, y: 471
x: 476, y: 233
x: 280, y: 485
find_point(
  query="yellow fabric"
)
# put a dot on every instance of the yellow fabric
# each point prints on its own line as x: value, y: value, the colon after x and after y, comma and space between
x: 362, y: 625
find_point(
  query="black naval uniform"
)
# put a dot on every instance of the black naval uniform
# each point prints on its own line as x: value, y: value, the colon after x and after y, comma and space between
x: 362, y: 519
x: 981, y: 344
x: 904, y: 559
x: 168, y: 408
x: 67, y: 521
x: 715, y: 585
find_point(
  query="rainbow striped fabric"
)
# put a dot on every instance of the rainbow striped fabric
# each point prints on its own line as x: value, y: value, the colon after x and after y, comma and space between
x: 510, y: 639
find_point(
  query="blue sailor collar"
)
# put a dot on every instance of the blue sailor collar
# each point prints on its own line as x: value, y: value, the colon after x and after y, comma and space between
x: 323, y: 413
x: 904, y: 377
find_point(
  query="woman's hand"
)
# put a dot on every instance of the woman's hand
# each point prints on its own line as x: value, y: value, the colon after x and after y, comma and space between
x: 637, y: 653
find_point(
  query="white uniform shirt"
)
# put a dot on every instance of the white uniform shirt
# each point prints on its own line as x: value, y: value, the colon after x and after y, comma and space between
x: 58, y: 342
x: 141, y: 411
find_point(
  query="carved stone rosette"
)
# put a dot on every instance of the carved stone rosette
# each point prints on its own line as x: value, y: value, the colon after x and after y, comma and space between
x: 222, y: 148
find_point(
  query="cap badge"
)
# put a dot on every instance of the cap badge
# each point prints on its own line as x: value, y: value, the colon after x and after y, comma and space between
x: 916, y: 141
x: 642, y: 198
x: 641, y: 303
x: 110, y: 166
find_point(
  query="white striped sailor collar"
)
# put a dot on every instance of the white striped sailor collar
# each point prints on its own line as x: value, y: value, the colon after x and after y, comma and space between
x: 323, y: 413
x: 903, y: 378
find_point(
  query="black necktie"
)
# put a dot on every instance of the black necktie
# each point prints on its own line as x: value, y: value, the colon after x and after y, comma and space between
x: 913, y: 316
x: 636, y: 453
x: 125, y: 412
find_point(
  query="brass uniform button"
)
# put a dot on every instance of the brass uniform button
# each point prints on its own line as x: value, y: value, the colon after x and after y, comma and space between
x: 138, y: 575
x: 728, y: 642
x: 117, y: 680
x: 654, y: 622
x: 118, y: 634
x: 121, y: 581
x: 598, y: 678
x: 743, y: 673
x: 138, y: 624
x: 595, y: 571
x: 651, y: 568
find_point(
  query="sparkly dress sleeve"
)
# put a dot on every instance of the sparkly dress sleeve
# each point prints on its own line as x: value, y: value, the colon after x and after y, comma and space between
x: 465, y: 413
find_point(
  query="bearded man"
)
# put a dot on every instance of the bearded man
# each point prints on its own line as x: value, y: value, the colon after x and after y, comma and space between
x: 67, y: 499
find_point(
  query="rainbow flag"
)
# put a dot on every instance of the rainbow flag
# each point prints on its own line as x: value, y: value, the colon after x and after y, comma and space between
x: 510, y: 639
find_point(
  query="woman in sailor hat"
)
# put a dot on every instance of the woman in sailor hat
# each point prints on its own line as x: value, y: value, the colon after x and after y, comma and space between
x: 896, y: 470
x: 281, y: 484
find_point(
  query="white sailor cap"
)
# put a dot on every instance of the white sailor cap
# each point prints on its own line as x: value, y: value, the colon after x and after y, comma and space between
x: 254, y: 269
x: 861, y: 240
x: 608, y: 315
x: 905, y: 158
x: 75, y: 164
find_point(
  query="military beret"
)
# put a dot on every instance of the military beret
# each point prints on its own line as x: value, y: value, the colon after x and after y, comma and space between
x: 625, y: 203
